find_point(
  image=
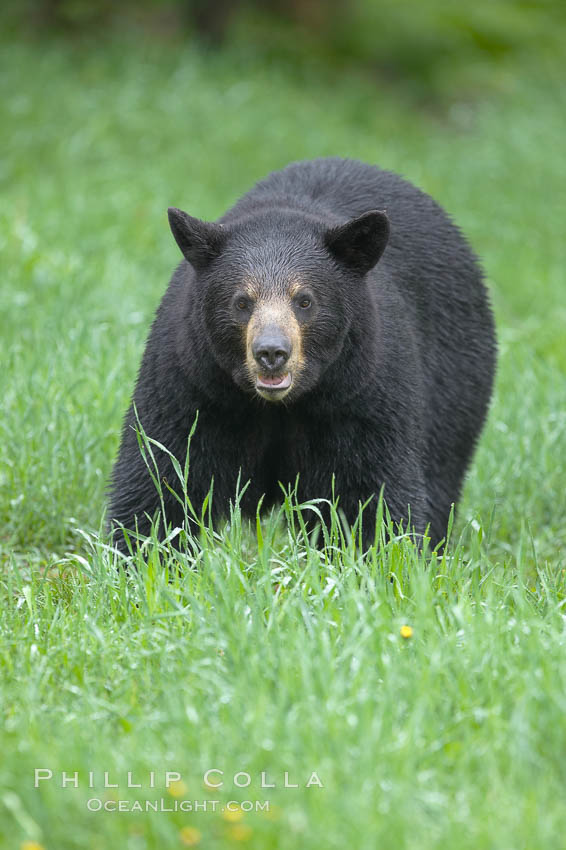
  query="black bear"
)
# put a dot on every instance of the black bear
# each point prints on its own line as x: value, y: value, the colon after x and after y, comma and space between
x: 332, y: 324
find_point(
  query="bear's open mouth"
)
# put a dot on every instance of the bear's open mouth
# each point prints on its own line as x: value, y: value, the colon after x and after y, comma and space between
x: 274, y: 382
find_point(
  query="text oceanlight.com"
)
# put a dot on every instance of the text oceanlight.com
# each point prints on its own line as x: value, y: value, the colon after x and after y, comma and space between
x: 97, y: 804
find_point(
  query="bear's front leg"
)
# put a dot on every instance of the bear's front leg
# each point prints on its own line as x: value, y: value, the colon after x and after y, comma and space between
x: 361, y: 467
x: 141, y: 483
x: 220, y: 459
x: 404, y: 500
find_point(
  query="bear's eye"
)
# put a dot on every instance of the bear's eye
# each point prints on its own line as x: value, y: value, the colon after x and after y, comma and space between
x: 305, y: 302
x: 242, y: 303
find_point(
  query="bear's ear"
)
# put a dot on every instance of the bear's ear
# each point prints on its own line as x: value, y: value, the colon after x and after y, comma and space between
x: 360, y: 242
x: 199, y: 241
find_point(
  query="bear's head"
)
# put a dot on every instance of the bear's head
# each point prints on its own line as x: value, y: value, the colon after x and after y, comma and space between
x: 278, y: 290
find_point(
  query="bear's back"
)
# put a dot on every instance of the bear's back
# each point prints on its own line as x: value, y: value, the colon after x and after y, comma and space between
x: 427, y: 259
x: 343, y: 189
x: 423, y: 242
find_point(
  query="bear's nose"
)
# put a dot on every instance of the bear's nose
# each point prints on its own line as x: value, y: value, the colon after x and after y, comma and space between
x: 271, y: 349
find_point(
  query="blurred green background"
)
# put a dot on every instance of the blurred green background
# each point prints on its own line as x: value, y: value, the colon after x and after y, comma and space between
x: 109, y: 113
x: 435, y: 47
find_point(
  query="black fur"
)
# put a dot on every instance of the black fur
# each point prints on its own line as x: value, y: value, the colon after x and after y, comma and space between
x: 400, y: 356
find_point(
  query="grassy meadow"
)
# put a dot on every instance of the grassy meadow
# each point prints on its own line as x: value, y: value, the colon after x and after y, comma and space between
x: 263, y: 654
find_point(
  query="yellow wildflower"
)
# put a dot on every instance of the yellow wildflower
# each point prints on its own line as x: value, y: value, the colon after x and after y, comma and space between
x: 190, y: 836
x: 177, y: 788
x: 233, y: 815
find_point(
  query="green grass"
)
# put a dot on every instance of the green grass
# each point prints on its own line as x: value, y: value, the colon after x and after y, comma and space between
x: 270, y: 656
